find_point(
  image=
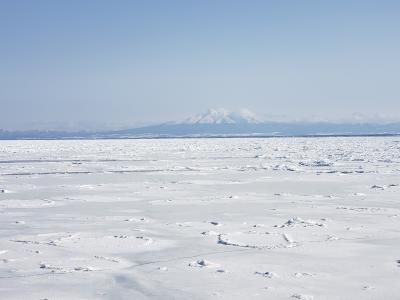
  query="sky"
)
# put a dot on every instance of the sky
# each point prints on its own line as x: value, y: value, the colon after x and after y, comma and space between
x: 95, y: 64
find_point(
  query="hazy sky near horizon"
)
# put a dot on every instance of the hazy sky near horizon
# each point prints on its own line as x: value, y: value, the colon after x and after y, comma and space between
x: 127, y: 62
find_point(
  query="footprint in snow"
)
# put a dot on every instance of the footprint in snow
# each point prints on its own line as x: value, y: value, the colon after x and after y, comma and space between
x: 267, y: 274
x: 215, y: 223
x: 121, y: 236
x: 222, y: 271
x: 302, y: 297
x: 209, y: 232
x: 380, y: 187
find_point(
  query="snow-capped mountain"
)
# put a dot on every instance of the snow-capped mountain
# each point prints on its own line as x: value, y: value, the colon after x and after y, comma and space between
x: 221, y: 122
x: 223, y: 116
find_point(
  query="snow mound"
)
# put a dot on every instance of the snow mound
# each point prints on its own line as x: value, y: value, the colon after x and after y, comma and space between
x: 202, y: 263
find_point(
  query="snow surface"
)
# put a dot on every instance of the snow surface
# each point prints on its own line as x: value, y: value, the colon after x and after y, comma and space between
x: 288, y: 218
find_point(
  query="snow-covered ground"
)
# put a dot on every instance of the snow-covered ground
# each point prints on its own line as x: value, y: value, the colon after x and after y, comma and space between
x: 289, y: 218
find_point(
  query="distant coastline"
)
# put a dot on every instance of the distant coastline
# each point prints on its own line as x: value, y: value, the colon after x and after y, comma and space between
x: 250, y: 136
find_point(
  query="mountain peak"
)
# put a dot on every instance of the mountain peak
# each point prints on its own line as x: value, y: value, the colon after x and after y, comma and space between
x: 223, y: 116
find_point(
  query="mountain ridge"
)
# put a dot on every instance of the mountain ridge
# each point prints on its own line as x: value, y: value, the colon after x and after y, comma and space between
x: 222, y: 116
x: 220, y: 122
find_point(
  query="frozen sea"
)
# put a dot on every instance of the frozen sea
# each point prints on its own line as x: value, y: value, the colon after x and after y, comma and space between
x: 275, y: 218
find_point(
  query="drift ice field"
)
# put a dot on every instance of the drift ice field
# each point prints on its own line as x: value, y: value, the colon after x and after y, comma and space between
x: 274, y: 218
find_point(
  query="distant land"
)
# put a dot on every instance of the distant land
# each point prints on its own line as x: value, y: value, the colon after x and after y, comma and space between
x: 219, y: 123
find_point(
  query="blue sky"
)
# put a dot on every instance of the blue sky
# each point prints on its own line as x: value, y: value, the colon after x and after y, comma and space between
x: 95, y: 63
